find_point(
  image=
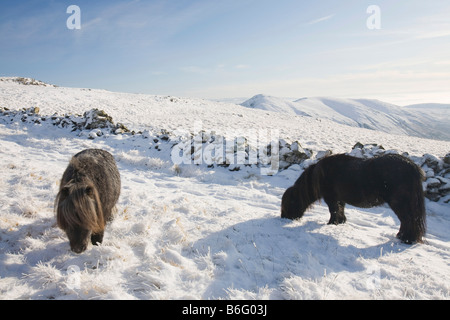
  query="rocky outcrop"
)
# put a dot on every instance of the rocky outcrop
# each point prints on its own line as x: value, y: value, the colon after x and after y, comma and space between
x: 27, y: 81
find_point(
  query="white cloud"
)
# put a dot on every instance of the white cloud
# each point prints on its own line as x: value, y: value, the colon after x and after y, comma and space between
x: 321, y: 19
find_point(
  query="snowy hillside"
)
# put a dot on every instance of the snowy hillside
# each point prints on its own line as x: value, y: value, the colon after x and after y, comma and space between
x: 365, y: 113
x: 436, y: 116
x: 192, y: 231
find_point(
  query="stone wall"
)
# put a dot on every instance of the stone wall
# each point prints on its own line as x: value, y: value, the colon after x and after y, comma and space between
x: 237, y: 152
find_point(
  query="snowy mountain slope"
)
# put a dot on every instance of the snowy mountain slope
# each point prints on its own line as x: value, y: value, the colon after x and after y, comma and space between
x: 197, y: 232
x: 434, y: 115
x: 366, y: 113
x: 275, y: 104
x: 433, y: 107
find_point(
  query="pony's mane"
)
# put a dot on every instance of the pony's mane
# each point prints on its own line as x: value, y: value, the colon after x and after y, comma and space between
x: 78, y: 204
x: 309, y: 185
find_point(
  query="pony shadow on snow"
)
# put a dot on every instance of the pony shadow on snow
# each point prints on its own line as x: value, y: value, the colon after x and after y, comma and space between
x: 261, y: 253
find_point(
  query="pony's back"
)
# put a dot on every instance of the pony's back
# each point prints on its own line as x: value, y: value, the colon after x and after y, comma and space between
x: 99, y: 167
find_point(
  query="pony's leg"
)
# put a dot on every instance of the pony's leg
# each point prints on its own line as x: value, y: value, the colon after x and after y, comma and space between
x: 407, y: 232
x: 97, y: 238
x: 336, y: 209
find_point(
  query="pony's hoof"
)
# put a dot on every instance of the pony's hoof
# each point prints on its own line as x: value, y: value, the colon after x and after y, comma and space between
x: 337, y: 221
x: 407, y: 240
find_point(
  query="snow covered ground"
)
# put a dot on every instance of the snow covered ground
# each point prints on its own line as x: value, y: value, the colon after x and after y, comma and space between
x: 193, y: 232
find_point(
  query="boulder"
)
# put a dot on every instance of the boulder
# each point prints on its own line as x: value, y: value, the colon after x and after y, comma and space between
x: 446, y: 158
x: 97, y: 119
x: 323, y: 154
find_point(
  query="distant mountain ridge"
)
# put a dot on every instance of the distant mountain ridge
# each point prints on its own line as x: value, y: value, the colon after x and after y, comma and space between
x: 426, y: 120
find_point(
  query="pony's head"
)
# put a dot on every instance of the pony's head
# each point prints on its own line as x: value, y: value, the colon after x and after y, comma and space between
x: 79, y: 213
x: 292, y: 206
x: 302, y: 194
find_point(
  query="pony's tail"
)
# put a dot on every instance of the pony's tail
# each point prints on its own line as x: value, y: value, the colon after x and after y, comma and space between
x: 419, y: 214
x: 411, y: 211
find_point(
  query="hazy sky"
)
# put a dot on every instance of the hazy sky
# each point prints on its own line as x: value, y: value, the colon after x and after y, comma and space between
x: 228, y: 48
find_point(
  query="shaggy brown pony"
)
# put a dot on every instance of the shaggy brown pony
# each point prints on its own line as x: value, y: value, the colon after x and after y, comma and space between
x: 89, y: 190
x: 341, y: 179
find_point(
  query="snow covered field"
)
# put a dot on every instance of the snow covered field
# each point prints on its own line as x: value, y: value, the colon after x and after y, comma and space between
x: 193, y: 232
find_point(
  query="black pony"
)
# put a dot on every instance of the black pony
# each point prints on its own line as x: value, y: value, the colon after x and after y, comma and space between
x: 341, y: 179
